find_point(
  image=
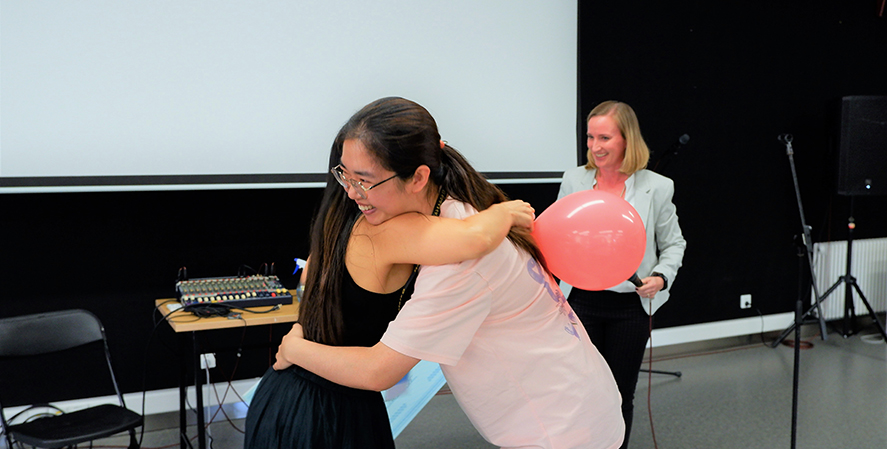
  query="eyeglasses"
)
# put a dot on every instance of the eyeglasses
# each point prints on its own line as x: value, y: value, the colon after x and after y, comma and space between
x: 361, y: 190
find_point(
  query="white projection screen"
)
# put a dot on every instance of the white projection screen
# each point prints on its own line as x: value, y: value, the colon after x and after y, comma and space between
x: 115, y: 95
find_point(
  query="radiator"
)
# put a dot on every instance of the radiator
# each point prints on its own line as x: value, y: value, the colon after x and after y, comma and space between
x: 868, y: 266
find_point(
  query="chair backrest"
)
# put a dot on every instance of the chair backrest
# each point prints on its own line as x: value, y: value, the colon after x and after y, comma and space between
x: 43, y: 333
x: 37, y: 348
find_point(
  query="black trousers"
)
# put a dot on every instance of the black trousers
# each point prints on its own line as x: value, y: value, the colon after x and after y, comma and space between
x: 619, y: 328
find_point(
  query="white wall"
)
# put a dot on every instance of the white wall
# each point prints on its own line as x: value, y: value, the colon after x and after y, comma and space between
x: 104, y: 88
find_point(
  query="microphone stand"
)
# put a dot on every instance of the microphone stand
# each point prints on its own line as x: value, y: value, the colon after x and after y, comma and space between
x: 805, y: 250
x: 673, y: 150
x: 808, y: 244
x: 799, y: 307
x: 634, y: 279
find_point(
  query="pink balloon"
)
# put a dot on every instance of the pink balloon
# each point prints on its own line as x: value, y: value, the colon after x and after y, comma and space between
x: 591, y: 239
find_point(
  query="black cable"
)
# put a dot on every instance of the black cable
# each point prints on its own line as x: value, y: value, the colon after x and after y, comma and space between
x: 241, y: 272
x: 650, y: 379
x: 216, y: 311
x: 761, y: 314
x: 224, y: 310
x: 230, y: 387
x: 201, y: 311
x: 210, y: 310
x: 32, y: 407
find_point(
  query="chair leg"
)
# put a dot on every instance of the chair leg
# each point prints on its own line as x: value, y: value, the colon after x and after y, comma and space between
x: 133, y: 443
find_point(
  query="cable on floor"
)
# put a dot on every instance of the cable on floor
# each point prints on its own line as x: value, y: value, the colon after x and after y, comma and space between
x: 650, y: 381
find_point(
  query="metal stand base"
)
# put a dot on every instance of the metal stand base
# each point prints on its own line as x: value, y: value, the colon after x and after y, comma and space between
x: 671, y: 373
x: 849, y: 309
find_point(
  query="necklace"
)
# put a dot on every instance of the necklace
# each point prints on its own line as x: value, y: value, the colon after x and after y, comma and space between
x: 412, y: 279
x: 622, y: 195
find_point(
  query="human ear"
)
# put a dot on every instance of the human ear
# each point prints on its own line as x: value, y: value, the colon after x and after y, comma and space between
x: 420, y: 178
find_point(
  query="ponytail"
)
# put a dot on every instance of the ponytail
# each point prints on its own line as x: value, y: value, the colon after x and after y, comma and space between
x: 461, y: 181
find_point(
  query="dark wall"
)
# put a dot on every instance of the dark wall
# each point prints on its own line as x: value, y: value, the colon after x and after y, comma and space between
x: 114, y: 253
x: 734, y: 77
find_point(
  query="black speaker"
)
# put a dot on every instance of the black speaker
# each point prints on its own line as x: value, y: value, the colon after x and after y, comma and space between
x: 862, y: 146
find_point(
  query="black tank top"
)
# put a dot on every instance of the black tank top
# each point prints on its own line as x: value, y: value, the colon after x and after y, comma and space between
x: 366, y: 314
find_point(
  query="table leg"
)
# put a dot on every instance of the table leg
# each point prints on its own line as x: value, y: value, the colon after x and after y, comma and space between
x: 198, y: 389
x: 183, y: 394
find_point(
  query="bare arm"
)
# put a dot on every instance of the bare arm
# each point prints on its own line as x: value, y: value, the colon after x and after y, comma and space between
x: 415, y: 238
x: 377, y: 368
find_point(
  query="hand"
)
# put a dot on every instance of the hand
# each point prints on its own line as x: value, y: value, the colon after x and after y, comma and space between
x: 522, y: 214
x: 289, y: 340
x: 651, y: 286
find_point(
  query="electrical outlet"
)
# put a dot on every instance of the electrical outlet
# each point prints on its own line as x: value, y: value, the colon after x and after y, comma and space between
x: 207, y: 361
x: 745, y: 301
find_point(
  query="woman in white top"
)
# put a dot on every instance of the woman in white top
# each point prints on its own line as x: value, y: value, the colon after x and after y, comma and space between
x: 619, y: 319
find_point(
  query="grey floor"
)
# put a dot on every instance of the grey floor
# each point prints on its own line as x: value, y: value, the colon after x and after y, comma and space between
x: 734, y: 393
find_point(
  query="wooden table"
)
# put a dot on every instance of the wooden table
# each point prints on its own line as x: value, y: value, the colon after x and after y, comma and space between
x: 186, y: 322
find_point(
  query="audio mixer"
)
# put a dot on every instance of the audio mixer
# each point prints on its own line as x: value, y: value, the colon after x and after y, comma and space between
x: 235, y: 291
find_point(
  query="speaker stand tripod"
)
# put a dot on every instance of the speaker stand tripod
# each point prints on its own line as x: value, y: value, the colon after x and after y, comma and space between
x: 849, y: 286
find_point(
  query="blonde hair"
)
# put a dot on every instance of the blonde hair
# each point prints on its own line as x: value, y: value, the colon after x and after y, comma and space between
x: 637, y: 154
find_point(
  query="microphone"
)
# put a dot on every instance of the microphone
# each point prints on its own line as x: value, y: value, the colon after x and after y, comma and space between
x: 785, y: 138
x: 675, y: 146
x: 681, y: 142
x: 634, y: 279
x: 672, y: 149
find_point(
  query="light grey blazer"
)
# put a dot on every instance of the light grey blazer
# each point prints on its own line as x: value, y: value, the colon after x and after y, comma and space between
x: 651, y: 197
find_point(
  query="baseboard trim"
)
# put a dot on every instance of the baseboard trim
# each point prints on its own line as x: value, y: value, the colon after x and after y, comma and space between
x: 720, y: 329
x: 167, y: 400
x: 157, y: 401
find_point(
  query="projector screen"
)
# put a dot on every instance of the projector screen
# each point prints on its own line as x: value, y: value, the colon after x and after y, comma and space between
x: 196, y: 94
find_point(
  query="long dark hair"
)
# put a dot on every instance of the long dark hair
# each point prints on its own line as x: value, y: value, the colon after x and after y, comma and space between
x: 402, y: 135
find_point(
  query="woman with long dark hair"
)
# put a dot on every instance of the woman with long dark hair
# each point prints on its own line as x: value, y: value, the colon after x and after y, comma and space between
x: 363, y: 252
x: 516, y: 358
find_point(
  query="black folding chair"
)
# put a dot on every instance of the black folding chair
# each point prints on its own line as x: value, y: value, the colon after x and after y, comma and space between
x: 25, y: 338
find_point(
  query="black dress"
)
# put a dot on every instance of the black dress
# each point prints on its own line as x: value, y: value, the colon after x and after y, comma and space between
x: 295, y: 408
